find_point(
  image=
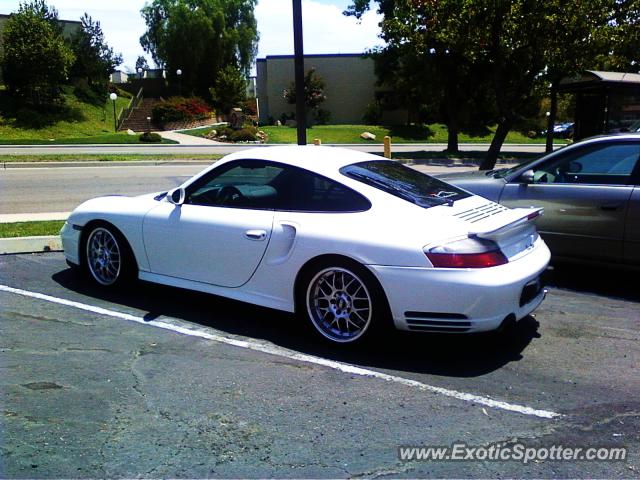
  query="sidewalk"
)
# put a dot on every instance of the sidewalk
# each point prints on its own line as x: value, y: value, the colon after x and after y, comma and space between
x: 184, y: 139
x: 32, y: 217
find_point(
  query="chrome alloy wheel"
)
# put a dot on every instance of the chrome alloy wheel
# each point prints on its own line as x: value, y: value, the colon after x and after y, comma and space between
x: 339, y: 304
x: 103, y: 256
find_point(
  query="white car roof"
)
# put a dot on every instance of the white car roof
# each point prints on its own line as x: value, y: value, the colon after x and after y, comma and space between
x: 323, y: 160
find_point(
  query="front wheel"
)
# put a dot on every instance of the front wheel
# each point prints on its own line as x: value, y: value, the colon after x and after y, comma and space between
x: 107, y: 257
x: 344, y: 303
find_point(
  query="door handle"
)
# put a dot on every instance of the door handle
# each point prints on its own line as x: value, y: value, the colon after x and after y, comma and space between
x: 610, y: 206
x: 255, y: 234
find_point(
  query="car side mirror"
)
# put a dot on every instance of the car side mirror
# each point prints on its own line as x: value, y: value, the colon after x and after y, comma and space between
x: 527, y: 176
x: 176, y: 196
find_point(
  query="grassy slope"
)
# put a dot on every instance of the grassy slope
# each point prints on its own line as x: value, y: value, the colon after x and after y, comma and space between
x: 77, y: 122
x: 30, y: 229
x: 435, y: 133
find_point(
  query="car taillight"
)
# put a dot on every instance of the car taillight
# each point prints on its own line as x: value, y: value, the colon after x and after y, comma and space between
x: 467, y: 253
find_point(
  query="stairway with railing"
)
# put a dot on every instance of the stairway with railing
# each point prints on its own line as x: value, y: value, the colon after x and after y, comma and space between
x: 135, y: 115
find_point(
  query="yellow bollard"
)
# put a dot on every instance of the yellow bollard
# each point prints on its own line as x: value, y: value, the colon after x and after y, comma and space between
x: 317, y: 141
x: 387, y: 146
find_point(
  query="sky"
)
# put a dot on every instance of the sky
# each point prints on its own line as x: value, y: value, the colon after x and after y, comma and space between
x: 325, y: 29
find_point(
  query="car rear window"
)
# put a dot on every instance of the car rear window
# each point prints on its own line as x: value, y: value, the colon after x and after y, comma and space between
x: 404, y: 182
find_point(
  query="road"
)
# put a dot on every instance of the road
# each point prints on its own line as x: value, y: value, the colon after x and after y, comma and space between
x: 61, y: 189
x: 210, y: 149
x: 103, y: 384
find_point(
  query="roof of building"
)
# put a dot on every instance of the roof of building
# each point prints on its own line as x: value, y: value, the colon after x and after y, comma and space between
x: 7, y: 15
x: 594, y: 76
x: 312, y: 55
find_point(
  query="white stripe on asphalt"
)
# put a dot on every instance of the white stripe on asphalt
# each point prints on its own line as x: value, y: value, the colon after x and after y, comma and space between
x: 283, y: 352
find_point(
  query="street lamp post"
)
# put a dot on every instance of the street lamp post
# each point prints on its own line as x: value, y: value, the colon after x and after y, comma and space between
x: 113, y: 98
x: 179, y: 74
x: 140, y: 72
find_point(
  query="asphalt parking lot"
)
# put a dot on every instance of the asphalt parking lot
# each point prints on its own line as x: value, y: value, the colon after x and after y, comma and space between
x: 160, y: 382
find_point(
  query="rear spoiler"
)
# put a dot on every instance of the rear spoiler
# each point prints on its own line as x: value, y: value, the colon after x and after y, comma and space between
x: 504, y: 223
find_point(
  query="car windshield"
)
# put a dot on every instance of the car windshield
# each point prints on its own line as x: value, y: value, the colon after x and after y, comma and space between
x: 503, y: 172
x: 404, y: 182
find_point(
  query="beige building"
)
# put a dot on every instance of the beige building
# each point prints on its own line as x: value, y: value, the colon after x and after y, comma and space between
x: 350, y: 85
x: 69, y: 27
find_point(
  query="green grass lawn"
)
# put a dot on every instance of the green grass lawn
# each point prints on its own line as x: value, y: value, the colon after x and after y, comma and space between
x: 71, y: 122
x: 106, y: 157
x: 30, y: 229
x: 434, y: 133
x: 112, y: 138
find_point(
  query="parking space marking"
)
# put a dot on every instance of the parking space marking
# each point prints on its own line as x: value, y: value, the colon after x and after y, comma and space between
x: 283, y: 352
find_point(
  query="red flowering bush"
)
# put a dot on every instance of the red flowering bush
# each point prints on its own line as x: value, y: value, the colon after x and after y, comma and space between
x: 176, y: 109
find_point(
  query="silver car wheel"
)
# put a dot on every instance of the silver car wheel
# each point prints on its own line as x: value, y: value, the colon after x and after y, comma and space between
x: 339, y: 304
x: 103, y: 256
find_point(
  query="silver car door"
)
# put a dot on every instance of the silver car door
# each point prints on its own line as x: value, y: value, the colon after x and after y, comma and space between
x: 585, y: 195
x: 632, y: 230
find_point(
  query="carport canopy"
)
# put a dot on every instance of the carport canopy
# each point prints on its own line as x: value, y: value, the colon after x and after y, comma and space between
x: 606, y: 102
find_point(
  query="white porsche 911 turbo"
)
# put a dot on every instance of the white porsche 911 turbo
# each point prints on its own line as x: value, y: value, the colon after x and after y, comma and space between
x: 348, y: 240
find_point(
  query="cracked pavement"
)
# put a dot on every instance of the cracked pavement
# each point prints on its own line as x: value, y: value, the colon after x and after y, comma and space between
x: 86, y: 396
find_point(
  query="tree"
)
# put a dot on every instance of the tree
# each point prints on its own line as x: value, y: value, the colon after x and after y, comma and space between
x: 313, y: 97
x: 515, y: 48
x: 142, y: 63
x: 229, y: 90
x: 36, y: 59
x: 429, y: 75
x: 313, y: 90
x: 95, y: 60
x: 200, y: 37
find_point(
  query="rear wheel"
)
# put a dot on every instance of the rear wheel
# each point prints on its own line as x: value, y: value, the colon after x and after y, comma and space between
x: 344, y: 302
x: 107, y: 256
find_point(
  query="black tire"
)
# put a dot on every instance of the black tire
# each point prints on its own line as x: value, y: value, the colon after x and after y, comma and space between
x: 342, y: 301
x: 107, y: 257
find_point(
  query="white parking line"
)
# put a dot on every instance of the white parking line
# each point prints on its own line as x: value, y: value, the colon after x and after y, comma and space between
x: 283, y: 352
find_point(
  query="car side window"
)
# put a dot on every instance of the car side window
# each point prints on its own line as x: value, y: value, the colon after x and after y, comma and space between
x: 303, y: 191
x: 610, y: 164
x: 257, y: 184
x: 242, y: 184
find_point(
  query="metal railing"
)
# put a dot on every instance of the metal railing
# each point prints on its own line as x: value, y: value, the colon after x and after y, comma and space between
x: 126, y: 111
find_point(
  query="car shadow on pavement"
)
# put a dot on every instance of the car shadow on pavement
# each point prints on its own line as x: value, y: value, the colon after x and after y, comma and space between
x: 610, y: 282
x: 438, y: 354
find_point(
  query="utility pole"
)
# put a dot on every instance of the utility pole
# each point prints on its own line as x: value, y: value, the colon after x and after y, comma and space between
x: 299, y: 72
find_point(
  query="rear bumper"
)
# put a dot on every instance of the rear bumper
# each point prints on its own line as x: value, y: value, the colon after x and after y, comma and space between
x: 463, y: 300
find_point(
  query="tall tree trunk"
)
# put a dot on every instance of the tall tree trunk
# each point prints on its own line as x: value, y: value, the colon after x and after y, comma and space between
x: 452, y: 108
x: 553, y: 111
x: 452, y: 136
x: 490, y: 160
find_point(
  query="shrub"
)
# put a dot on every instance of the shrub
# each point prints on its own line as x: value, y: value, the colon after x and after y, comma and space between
x: 30, y: 118
x: 321, y: 116
x: 246, y: 134
x: 372, y: 113
x: 176, y: 109
x: 150, y: 137
x: 46, y: 115
x: 86, y: 94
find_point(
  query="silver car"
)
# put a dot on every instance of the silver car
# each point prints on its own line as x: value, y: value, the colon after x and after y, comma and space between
x: 590, y: 192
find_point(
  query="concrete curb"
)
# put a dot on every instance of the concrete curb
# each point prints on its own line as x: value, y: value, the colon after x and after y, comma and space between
x: 50, y: 243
